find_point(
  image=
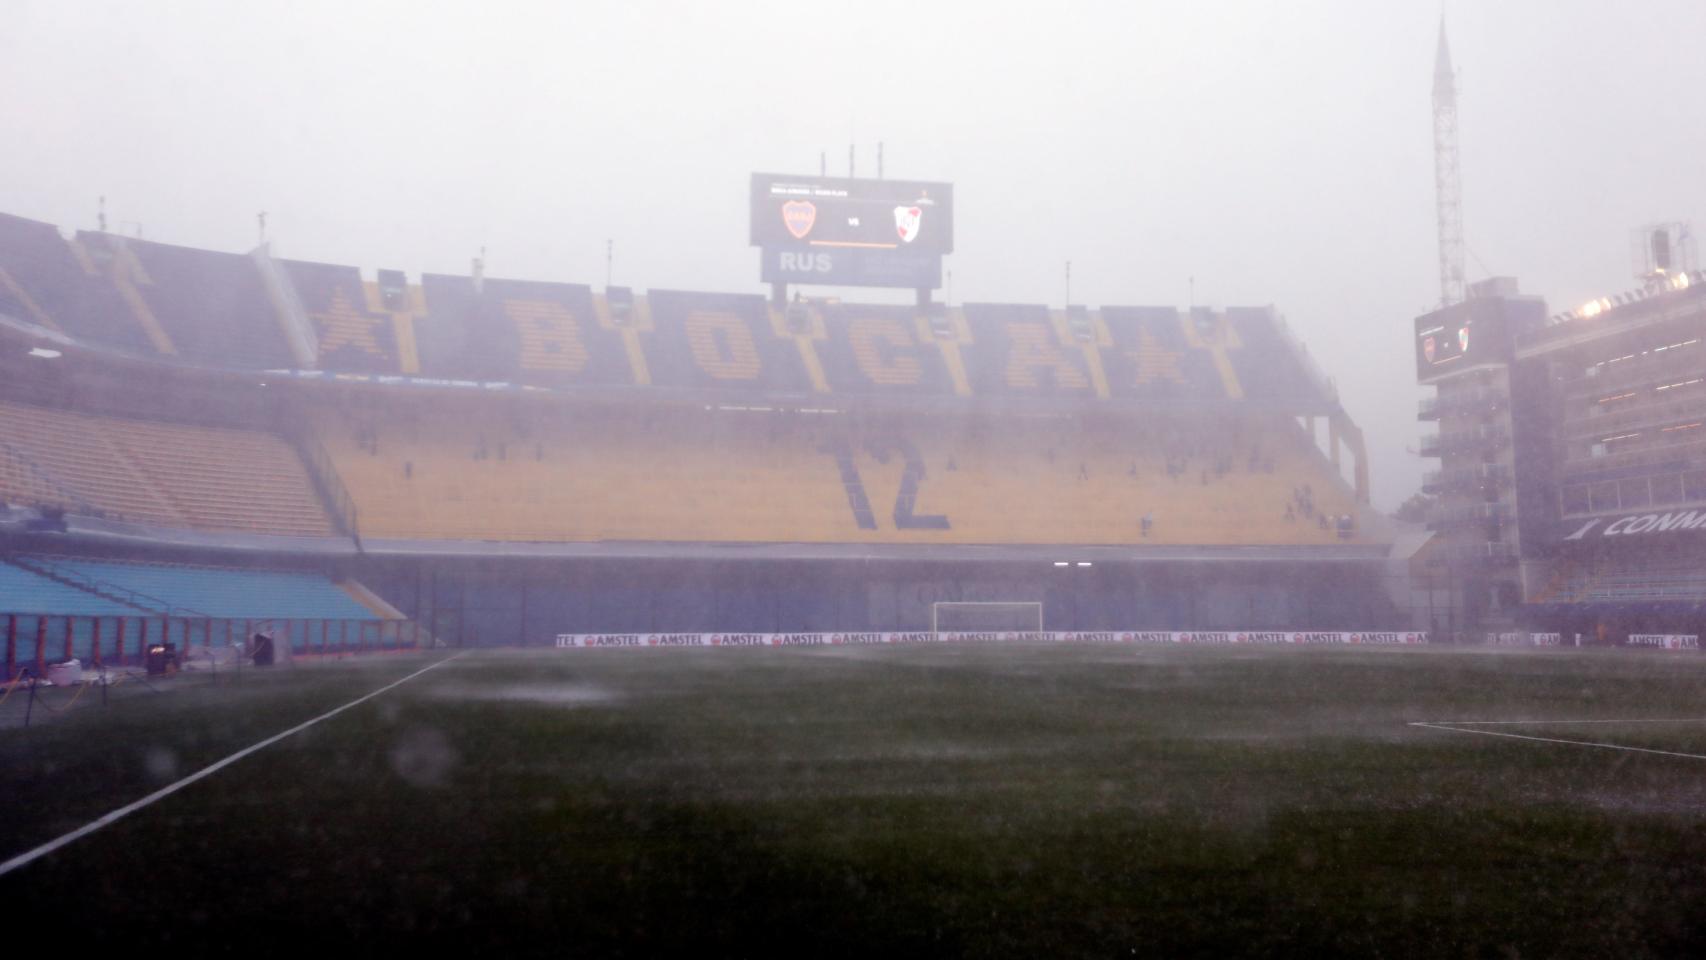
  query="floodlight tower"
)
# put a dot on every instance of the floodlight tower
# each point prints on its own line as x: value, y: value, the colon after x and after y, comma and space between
x: 1448, y: 190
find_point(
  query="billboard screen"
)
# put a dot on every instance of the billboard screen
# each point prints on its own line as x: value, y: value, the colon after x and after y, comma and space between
x: 836, y: 213
x: 1461, y: 336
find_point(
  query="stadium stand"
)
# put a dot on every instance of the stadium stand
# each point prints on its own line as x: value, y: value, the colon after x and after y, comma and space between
x: 1625, y: 581
x: 177, y: 475
x: 538, y: 333
x: 506, y: 459
x: 350, y: 335
x: 173, y: 588
x: 28, y: 591
x: 211, y: 307
x: 48, y: 281
x: 217, y: 309
x: 718, y: 476
x: 54, y: 608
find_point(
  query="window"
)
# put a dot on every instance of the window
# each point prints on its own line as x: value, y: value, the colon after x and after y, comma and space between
x: 1694, y: 485
x: 1604, y: 495
x: 1575, y: 499
x: 1667, y: 489
x: 1634, y: 493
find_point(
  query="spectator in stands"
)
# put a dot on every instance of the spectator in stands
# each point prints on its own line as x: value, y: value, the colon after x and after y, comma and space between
x: 1290, y: 517
x: 408, y: 469
x: 1147, y: 523
x: 1083, y: 470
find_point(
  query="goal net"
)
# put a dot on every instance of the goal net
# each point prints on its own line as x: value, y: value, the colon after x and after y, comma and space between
x: 959, y: 616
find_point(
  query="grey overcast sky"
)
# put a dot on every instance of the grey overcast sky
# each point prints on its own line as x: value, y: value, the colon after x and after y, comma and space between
x: 1278, y: 152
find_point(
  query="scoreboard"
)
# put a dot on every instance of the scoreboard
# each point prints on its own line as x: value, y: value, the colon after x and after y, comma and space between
x: 836, y: 230
x: 1459, y: 337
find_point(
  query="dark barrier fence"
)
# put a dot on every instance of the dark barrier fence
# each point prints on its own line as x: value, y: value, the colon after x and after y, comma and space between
x: 35, y: 640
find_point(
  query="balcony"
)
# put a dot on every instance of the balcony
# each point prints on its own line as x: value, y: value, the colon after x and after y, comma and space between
x: 1472, y: 440
x: 1675, y: 455
x: 1482, y: 476
x: 1494, y: 553
x: 1479, y: 400
x: 1456, y: 517
x: 1637, y: 369
x: 1637, y: 417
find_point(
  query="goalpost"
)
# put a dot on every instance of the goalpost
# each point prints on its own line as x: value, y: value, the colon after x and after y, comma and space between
x: 961, y: 616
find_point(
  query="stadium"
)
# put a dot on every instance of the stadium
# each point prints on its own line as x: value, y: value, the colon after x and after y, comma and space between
x: 504, y: 461
x: 343, y: 608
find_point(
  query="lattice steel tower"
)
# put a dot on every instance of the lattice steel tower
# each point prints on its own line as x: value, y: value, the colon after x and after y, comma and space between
x: 1448, y: 189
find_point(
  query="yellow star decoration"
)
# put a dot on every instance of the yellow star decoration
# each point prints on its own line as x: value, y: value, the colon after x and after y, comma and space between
x: 343, y: 325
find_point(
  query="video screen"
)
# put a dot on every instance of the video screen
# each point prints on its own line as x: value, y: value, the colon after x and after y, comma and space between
x: 835, y: 212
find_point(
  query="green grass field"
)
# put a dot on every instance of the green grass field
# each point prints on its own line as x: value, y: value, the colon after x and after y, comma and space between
x: 936, y: 800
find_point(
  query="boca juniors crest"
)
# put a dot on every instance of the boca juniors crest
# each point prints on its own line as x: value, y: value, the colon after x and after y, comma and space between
x: 798, y: 216
x: 906, y: 222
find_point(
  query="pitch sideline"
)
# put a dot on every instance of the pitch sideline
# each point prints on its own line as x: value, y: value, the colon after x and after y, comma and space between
x: 26, y: 858
x: 1447, y: 725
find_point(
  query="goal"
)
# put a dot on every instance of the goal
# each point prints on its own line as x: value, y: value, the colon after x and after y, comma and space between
x: 958, y: 615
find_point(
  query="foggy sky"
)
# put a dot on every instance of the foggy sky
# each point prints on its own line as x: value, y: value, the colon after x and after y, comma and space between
x: 1278, y: 153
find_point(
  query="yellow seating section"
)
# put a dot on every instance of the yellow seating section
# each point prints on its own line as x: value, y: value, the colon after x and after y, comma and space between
x: 204, y: 478
x: 717, y: 476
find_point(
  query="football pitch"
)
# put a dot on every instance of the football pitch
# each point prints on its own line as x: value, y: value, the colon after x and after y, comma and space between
x: 934, y: 800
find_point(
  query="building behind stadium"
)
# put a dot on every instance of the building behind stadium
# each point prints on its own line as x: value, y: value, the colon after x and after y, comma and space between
x: 1571, y: 491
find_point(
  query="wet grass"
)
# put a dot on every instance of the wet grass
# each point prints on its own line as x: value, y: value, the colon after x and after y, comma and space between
x: 843, y: 801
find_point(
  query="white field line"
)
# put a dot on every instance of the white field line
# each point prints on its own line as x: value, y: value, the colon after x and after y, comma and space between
x: 1483, y: 723
x: 28, y: 857
x: 1578, y: 743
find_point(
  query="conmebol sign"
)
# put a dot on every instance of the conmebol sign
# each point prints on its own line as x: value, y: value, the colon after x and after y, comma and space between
x: 1635, y: 525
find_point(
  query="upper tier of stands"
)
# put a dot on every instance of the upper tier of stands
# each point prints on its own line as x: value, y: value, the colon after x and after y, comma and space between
x: 254, y: 312
x: 582, y: 475
x: 166, y: 474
